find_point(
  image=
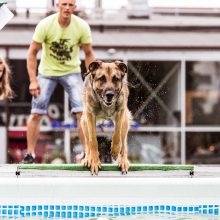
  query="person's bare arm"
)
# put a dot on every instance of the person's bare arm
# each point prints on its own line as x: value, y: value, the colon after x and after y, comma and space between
x: 89, y: 54
x: 34, y: 87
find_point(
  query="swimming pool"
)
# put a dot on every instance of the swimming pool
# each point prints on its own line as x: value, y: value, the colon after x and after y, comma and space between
x: 90, y: 197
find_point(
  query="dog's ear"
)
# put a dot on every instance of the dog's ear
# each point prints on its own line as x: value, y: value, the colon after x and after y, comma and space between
x: 94, y: 65
x: 122, y: 66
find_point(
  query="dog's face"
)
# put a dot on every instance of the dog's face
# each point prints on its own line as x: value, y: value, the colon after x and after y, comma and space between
x: 107, y: 80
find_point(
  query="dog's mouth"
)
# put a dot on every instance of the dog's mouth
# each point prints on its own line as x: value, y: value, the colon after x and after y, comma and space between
x: 108, y: 97
x: 108, y: 103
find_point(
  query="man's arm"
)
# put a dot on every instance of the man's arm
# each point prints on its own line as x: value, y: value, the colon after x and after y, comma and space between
x: 34, y: 87
x: 89, y: 54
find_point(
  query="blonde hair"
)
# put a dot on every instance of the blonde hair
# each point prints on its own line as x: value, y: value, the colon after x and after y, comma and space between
x: 5, y: 88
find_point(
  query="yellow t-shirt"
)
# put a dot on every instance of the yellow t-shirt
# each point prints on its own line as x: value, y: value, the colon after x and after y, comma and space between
x: 60, y: 46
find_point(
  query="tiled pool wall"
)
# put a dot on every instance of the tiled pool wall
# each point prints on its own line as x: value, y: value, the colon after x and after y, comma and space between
x: 84, y: 211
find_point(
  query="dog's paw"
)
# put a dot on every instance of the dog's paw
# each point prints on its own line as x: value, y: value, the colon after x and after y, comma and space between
x: 94, y: 163
x: 94, y: 168
x: 115, y: 151
x: 124, y: 165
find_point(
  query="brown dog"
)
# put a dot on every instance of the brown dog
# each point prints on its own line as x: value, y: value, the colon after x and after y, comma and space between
x: 105, y: 96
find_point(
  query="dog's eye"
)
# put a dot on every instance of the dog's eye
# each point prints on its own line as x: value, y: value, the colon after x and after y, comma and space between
x: 115, y: 79
x: 102, y: 79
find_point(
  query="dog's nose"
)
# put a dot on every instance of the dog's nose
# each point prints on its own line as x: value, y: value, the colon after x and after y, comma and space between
x: 109, y: 95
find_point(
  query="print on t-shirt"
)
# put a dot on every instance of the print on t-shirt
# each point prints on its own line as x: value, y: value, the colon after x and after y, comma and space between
x: 61, y: 50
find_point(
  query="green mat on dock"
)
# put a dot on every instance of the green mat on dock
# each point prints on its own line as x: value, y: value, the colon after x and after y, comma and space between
x: 105, y: 167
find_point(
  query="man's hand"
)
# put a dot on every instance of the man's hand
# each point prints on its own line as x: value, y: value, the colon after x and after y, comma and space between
x: 34, y: 89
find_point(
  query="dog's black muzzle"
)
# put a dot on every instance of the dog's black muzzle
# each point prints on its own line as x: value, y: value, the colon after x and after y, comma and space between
x: 109, y: 95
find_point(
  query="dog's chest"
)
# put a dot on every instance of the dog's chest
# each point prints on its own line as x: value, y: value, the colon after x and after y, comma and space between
x: 106, y: 112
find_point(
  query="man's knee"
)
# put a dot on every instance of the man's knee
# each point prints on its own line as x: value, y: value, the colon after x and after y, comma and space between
x: 34, y: 118
x: 78, y: 116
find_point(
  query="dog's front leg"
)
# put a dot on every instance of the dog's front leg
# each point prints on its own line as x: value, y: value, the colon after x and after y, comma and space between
x: 116, y: 140
x: 124, y: 163
x: 93, y: 160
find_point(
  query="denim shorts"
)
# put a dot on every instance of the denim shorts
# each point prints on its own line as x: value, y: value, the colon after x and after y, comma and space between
x: 72, y: 83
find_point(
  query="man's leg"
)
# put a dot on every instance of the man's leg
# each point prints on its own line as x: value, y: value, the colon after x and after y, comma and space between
x: 39, y: 108
x: 33, y: 129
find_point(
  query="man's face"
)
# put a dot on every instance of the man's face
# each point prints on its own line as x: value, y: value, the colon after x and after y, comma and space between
x: 66, y: 7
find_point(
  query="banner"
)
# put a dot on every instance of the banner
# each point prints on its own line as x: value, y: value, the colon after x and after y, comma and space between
x: 5, y: 15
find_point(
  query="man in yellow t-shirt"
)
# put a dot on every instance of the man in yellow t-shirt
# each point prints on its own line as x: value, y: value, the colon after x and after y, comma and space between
x: 60, y: 37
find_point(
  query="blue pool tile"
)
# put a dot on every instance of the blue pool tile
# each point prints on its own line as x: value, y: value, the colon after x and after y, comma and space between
x: 162, y: 207
x: 210, y: 211
x: 128, y: 210
x: 139, y: 208
x: 75, y: 214
x: 196, y: 209
x: 115, y: 210
x: 216, y: 211
x: 16, y: 212
x: 122, y: 210
x: 46, y: 214
x: 51, y: 207
x: 63, y: 207
x: 81, y: 208
x: 167, y: 208
x: 185, y: 209
x: 63, y: 214
x: 75, y: 207
x: 51, y: 214
x: 110, y: 209
x: 104, y: 209
x: 34, y: 213
x: 173, y: 208
x: 145, y: 208
x: 204, y: 211
x: 40, y: 207
x: 27, y: 214
x: 57, y: 214
x: 57, y: 207
x: 179, y: 209
x: 46, y: 207
x: 69, y: 207
x: 69, y: 214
